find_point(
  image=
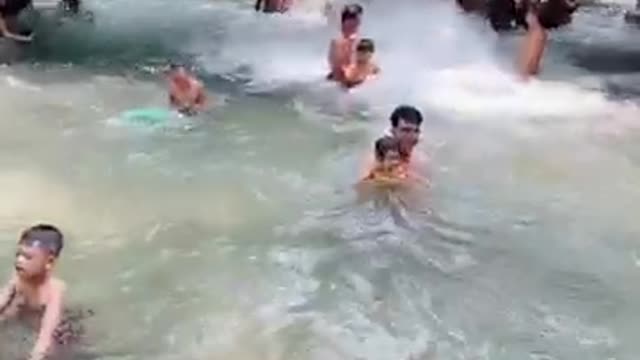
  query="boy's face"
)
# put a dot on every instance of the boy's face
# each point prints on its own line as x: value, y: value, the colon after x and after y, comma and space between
x: 392, y: 159
x: 32, y: 261
x: 363, y: 57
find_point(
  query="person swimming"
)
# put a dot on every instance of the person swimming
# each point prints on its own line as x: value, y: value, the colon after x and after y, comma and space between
x: 363, y: 67
x: 9, y: 11
x: 341, y: 50
x: 35, y: 295
x: 186, y: 92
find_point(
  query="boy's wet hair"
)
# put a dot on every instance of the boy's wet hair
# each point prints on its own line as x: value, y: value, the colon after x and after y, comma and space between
x: 351, y: 11
x: 44, y: 236
x: 407, y: 113
x: 366, y: 45
x: 384, y: 145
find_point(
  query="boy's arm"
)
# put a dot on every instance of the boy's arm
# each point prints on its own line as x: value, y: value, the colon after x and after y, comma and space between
x: 50, y: 321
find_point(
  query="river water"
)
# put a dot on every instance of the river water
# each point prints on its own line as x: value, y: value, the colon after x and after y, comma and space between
x: 237, y: 235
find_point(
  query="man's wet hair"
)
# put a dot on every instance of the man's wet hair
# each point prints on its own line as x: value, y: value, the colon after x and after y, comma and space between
x: 44, y: 236
x: 385, y: 144
x: 351, y: 11
x: 366, y: 45
x: 407, y: 113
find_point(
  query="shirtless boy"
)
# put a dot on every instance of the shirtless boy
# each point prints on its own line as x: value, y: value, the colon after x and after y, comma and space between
x: 33, y: 293
x: 186, y: 92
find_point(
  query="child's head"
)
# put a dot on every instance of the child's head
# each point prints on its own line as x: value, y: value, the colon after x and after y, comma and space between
x: 364, y: 51
x: 350, y: 18
x: 387, y: 151
x: 38, y: 249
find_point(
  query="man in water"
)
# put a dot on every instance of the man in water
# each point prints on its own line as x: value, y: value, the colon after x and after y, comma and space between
x: 405, y: 123
x: 186, y: 92
x: 341, y: 50
x: 33, y: 293
x: 272, y: 6
x: 9, y: 11
x: 363, y: 66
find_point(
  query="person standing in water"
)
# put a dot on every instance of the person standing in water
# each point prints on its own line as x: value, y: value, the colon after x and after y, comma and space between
x: 186, y: 92
x: 341, y: 50
x: 537, y: 17
x: 34, y: 294
x: 9, y: 11
x: 541, y: 16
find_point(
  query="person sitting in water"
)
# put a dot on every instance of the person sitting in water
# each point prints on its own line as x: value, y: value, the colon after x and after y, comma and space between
x: 186, y: 92
x: 341, y: 50
x: 33, y: 293
x: 272, y: 6
x: 363, y: 66
x: 9, y: 11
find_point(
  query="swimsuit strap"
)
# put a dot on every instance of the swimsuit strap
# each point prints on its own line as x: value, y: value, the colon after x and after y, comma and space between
x: 12, y: 297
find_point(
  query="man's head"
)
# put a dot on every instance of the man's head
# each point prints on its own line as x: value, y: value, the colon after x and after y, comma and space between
x: 350, y: 18
x: 405, y: 126
x: 364, y: 51
x: 38, y: 249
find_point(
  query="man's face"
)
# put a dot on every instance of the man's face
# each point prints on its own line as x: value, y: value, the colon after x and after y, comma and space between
x: 407, y: 133
x: 350, y: 26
